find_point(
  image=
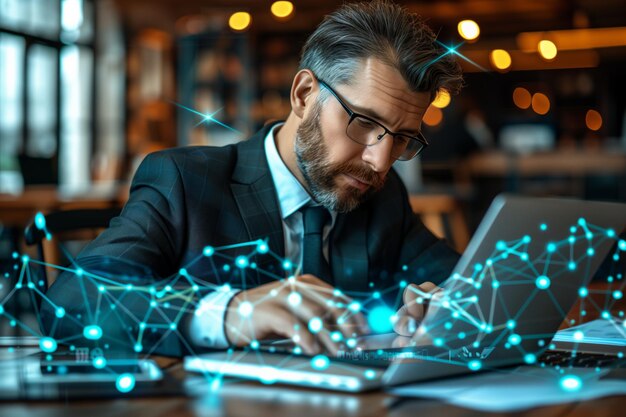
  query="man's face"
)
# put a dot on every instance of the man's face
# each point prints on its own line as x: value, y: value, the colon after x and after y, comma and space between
x: 339, y: 172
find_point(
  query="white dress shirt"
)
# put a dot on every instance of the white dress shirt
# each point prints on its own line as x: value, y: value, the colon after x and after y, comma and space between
x: 207, y: 324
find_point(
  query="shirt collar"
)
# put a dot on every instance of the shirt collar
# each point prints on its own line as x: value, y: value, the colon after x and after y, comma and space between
x: 291, y: 194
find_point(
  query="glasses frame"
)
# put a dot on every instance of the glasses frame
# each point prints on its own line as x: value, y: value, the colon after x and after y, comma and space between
x: 353, y: 115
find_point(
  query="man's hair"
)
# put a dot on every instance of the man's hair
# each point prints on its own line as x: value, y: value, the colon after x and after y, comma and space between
x: 383, y: 30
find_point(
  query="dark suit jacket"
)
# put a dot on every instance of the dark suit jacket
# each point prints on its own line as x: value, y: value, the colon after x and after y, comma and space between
x: 182, y: 200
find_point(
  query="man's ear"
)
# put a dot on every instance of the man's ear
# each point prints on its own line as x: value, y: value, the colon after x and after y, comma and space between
x: 303, y: 88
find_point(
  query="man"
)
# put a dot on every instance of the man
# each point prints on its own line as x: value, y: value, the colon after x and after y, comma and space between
x: 317, y: 189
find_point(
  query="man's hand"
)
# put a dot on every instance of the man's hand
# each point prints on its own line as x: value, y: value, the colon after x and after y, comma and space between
x: 416, y: 300
x: 285, y: 309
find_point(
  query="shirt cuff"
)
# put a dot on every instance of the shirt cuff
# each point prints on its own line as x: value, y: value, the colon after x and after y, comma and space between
x: 207, y: 324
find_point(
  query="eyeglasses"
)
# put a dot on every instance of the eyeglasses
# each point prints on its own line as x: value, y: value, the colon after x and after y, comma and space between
x: 368, y: 132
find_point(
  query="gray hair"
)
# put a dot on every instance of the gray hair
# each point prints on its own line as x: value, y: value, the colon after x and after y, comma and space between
x: 383, y: 30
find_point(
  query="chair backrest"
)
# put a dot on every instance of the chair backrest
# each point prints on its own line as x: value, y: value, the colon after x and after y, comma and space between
x: 59, y: 226
x: 443, y: 215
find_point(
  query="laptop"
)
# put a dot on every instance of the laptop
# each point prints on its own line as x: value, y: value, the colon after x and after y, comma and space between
x: 521, y: 273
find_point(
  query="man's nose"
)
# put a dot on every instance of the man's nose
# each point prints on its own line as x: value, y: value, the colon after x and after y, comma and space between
x: 378, y: 156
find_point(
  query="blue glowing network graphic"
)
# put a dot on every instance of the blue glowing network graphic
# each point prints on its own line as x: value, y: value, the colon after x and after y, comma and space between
x: 467, y: 320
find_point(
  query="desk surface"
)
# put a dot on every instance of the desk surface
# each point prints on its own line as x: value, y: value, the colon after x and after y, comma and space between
x: 253, y: 399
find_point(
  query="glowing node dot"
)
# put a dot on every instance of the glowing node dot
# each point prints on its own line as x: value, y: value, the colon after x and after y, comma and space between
x: 622, y: 245
x: 370, y: 374
x: 578, y: 335
x: 571, y: 266
x: 610, y: 233
x: 1, y: 309
x: 287, y: 264
x: 591, y: 252
x: 474, y: 365
x: 208, y: 251
x: 511, y: 324
x: 571, y: 383
x: 583, y: 292
x: 125, y: 383
x: 245, y: 309
x: 529, y: 358
x: 48, y: 344
x: 294, y: 299
x: 59, y: 312
x: 380, y: 319
x: 336, y: 336
x: 138, y: 347
x: 320, y: 362
x: 316, y: 325
x: 92, y: 332
x: 501, y: 245
x: 605, y: 315
x: 617, y: 294
x: 355, y: 306
x: 262, y: 247
x: 543, y: 227
x: 351, y: 343
x: 542, y: 282
x: 254, y: 344
x: 551, y: 247
x: 242, y: 261
x: 99, y: 362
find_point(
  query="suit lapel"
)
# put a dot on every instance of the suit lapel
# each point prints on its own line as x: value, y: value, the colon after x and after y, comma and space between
x: 253, y: 190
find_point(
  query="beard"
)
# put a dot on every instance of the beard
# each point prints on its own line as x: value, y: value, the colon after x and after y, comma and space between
x: 321, y: 175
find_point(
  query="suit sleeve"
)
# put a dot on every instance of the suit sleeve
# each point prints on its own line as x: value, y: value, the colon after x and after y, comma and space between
x: 124, y: 285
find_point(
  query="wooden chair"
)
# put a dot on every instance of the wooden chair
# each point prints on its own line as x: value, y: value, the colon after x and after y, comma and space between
x: 49, y: 231
x: 442, y: 214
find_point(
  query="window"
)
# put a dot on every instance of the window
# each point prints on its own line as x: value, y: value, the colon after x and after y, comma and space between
x: 47, y: 88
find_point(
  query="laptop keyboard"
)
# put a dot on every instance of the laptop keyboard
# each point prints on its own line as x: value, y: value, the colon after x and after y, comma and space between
x: 551, y: 358
x: 579, y: 360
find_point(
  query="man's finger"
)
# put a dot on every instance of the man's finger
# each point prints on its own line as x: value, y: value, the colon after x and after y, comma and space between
x: 286, y: 324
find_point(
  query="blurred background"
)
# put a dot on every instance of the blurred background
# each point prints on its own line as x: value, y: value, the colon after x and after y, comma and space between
x: 89, y: 87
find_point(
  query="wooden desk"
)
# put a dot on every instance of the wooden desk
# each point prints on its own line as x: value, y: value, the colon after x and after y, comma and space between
x: 254, y: 399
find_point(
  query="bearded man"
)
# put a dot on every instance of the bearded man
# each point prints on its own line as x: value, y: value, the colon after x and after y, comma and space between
x: 317, y: 191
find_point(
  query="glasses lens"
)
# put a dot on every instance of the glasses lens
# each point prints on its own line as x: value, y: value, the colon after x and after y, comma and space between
x: 406, y: 147
x: 364, y: 131
x: 367, y: 132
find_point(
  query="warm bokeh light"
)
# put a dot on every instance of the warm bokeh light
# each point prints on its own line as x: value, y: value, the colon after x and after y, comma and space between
x: 547, y: 49
x: 500, y: 59
x: 522, y: 98
x: 442, y: 100
x: 540, y: 103
x: 239, y: 20
x: 468, y: 29
x: 282, y: 9
x: 593, y: 119
x: 433, y: 116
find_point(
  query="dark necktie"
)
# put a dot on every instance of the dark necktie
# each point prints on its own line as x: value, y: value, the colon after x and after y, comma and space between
x: 313, y: 261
